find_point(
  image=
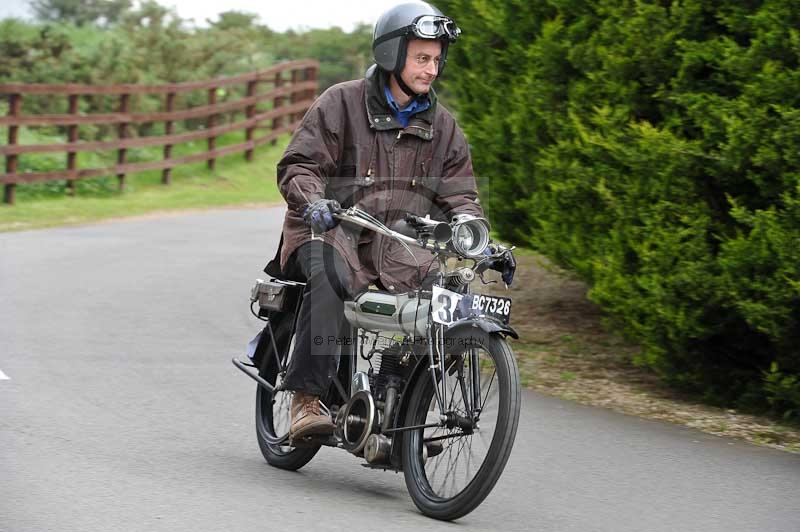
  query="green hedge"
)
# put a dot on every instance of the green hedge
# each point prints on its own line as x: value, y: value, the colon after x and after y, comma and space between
x: 654, y: 148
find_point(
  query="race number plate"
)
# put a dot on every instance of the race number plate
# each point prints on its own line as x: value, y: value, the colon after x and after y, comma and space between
x: 448, y: 307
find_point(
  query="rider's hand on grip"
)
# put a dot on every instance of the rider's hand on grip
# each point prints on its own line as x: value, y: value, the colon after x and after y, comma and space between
x: 509, y: 267
x: 505, y: 263
x: 320, y: 215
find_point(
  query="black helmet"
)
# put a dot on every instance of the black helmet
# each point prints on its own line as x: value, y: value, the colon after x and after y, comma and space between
x: 412, y: 20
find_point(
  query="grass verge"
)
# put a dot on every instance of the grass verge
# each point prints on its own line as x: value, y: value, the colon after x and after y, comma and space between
x: 233, y: 182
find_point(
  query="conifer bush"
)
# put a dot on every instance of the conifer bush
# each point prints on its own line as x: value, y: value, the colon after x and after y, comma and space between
x: 654, y: 148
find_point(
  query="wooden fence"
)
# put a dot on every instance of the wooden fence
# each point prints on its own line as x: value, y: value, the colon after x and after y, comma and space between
x: 292, y: 88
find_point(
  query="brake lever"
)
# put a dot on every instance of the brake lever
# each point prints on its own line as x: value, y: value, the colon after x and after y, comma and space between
x: 484, y: 281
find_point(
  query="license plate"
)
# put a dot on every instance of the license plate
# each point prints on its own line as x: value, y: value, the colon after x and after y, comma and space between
x: 449, y: 307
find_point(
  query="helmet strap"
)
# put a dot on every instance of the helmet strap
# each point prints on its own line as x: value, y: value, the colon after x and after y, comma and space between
x: 399, y: 65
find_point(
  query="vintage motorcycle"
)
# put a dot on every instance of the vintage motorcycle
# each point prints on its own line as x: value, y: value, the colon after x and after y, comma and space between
x: 438, y: 396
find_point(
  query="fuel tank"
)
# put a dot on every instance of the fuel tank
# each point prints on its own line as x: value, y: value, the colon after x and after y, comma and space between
x: 394, y: 313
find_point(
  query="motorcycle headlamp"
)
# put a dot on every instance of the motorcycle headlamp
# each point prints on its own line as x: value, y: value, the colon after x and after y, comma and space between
x: 470, y: 235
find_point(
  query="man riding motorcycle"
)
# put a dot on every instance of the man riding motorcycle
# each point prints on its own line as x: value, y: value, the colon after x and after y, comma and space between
x: 385, y: 144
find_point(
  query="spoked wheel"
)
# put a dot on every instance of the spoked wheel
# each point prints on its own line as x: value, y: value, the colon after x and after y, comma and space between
x: 273, y: 414
x: 472, y: 455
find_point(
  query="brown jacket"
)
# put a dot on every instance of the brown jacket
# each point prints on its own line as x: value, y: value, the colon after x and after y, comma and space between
x: 349, y: 147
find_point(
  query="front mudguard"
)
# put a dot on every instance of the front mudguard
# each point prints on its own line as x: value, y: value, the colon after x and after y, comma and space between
x: 488, y: 325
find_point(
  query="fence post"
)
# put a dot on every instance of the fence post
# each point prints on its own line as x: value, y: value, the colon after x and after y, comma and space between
x: 210, y: 123
x: 72, y: 137
x: 295, y: 95
x: 15, y: 104
x: 166, y: 174
x: 276, y: 103
x: 311, y: 75
x: 249, y: 113
x: 122, y: 130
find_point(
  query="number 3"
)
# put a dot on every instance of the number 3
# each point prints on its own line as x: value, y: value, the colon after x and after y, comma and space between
x: 445, y: 314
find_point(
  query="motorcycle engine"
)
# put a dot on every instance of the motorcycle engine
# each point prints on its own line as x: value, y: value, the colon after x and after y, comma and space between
x: 360, y: 422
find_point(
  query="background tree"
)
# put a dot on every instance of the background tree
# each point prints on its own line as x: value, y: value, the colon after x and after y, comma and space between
x: 234, y: 20
x: 80, y: 12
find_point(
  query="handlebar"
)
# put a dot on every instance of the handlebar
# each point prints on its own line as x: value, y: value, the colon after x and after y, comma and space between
x: 358, y: 217
x: 435, y: 236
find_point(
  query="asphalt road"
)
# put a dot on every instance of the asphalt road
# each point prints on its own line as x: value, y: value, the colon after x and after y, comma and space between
x: 121, y: 411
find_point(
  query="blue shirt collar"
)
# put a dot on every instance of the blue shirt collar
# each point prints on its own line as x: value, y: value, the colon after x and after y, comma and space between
x: 417, y: 105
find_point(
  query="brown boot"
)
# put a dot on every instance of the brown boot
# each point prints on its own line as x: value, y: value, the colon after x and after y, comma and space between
x: 306, y: 417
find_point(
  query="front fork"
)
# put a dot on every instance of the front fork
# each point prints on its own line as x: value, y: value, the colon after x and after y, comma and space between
x: 436, y: 362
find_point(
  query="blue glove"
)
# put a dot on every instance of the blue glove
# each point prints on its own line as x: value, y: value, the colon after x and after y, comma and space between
x: 319, y: 215
x: 509, y: 267
x: 505, y: 264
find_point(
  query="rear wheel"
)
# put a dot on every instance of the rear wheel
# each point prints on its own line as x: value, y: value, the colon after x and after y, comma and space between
x: 457, y: 479
x: 273, y: 415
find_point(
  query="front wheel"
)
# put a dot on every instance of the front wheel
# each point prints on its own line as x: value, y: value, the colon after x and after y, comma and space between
x: 481, y: 383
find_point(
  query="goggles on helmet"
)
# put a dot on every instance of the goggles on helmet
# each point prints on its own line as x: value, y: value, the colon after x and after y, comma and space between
x: 425, y: 27
x: 433, y: 27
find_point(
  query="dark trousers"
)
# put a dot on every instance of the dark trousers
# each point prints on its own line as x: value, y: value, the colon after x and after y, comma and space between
x: 321, y: 325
